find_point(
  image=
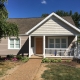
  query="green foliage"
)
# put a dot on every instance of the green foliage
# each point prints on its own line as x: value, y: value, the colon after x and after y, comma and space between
x: 25, y: 59
x: 59, y: 60
x: 19, y: 57
x: 6, y: 28
x: 10, y: 56
x: 61, y: 72
x: 22, y: 58
x: 44, y: 15
x: 75, y: 16
x: 47, y: 60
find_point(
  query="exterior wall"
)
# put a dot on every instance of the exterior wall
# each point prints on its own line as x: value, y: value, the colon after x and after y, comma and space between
x: 56, y: 27
x: 23, y: 50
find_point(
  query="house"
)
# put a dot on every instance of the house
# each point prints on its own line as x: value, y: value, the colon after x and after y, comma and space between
x: 53, y: 36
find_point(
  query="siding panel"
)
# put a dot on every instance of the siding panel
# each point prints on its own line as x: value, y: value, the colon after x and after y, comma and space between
x: 24, y: 47
x: 54, y: 26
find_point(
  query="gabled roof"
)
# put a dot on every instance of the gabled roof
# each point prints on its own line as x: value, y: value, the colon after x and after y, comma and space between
x: 52, y: 14
x: 26, y: 24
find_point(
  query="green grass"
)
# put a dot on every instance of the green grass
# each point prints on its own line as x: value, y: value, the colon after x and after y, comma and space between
x: 61, y: 72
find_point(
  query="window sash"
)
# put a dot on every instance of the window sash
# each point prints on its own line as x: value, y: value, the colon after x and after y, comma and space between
x: 58, y: 43
x: 15, y: 44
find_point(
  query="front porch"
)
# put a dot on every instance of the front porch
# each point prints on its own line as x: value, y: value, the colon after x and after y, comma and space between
x: 53, y: 46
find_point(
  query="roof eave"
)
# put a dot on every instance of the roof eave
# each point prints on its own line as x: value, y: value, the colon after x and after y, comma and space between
x: 52, y: 14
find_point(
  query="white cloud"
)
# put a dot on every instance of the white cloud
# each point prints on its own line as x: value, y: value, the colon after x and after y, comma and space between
x: 44, y: 2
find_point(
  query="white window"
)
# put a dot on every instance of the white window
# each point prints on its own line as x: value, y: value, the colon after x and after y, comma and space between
x: 57, y: 42
x: 51, y: 43
x: 14, y: 43
x: 63, y: 43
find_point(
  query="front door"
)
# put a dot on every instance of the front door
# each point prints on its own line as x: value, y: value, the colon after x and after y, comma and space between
x: 39, y: 45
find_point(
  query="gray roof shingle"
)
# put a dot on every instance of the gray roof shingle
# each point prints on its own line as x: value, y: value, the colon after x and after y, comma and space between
x: 25, y: 24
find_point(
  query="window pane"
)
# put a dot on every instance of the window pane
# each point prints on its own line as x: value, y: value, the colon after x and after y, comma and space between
x: 57, y: 40
x: 51, y: 45
x: 11, y: 45
x: 11, y: 41
x: 63, y: 40
x: 63, y: 45
x: 51, y: 40
x: 57, y: 45
x: 17, y: 41
x: 17, y: 46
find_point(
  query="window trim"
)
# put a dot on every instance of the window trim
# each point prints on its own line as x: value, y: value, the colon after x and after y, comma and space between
x: 60, y: 41
x: 9, y: 43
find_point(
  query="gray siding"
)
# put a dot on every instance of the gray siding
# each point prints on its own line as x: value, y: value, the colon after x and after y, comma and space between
x: 23, y: 50
x: 55, y: 26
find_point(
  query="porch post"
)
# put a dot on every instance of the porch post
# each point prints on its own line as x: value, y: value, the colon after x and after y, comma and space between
x: 44, y: 46
x: 29, y: 46
x: 77, y: 44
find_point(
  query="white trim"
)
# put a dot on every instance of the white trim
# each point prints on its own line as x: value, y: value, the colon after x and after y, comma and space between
x: 61, y: 56
x: 44, y: 46
x: 60, y: 41
x: 52, y: 14
x: 29, y: 46
x: 9, y: 43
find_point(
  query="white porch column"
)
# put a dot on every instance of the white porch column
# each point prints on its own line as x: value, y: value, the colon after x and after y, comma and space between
x: 29, y: 46
x: 44, y: 46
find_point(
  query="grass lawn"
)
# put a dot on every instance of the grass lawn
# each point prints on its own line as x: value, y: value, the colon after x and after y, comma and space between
x: 6, y: 65
x: 58, y: 71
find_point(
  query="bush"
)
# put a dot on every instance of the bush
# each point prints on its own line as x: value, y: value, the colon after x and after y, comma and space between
x: 52, y: 60
x: 10, y: 56
x: 59, y: 60
x: 46, y: 60
x: 24, y: 59
x: 19, y: 57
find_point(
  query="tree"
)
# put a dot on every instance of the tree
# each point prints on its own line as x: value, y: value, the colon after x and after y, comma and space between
x: 7, y: 29
x: 75, y: 16
x: 44, y: 15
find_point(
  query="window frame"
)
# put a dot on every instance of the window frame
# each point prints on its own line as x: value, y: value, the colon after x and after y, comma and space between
x: 14, y: 42
x: 60, y: 41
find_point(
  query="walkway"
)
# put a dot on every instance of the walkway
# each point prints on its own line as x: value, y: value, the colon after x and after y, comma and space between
x: 27, y: 71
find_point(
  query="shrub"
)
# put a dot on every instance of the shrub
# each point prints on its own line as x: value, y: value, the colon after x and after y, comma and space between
x: 10, y: 56
x: 59, y: 60
x: 19, y: 57
x: 46, y: 60
x: 52, y: 60
x: 25, y: 59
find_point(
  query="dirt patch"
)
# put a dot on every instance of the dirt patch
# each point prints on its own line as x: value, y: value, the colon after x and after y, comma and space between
x: 72, y: 63
x: 40, y: 71
x: 9, y: 72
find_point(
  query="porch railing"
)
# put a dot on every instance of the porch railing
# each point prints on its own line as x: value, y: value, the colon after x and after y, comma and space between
x: 59, y: 52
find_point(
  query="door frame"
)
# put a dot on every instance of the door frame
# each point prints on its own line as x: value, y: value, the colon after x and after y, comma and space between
x: 35, y: 44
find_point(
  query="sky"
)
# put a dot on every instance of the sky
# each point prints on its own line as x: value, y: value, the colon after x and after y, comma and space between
x: 35, y: 8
